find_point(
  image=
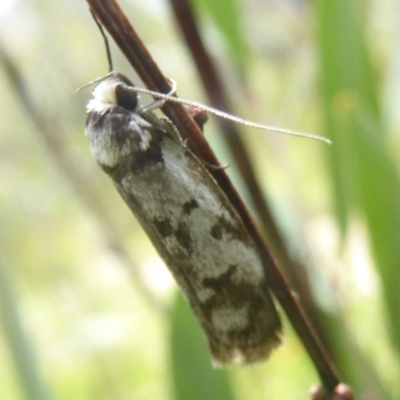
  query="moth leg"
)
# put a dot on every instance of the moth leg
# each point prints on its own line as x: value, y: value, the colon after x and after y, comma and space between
x: 199, y: 115
x: 157, y: 104
x: 172, y: 130
x: 214, y: 167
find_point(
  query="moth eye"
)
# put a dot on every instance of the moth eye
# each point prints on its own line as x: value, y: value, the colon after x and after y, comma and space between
x: 126, y: 98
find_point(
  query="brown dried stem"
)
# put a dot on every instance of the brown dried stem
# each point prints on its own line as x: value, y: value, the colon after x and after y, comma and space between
x: 114, y: 20
x: 212, y: 82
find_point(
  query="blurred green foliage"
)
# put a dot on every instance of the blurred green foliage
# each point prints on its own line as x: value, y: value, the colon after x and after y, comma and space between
x: 87, y: 309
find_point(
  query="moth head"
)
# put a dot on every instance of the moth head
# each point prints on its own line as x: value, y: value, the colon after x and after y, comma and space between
x: 111, y: 91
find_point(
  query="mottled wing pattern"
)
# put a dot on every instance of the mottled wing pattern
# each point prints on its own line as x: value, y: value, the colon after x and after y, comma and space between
x: 194, y: 228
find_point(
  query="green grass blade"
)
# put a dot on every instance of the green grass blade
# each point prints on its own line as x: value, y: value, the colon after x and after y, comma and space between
x: 26, y: 366
x: 365, y: 178
x: 226, y: 16
x: 193, y: 376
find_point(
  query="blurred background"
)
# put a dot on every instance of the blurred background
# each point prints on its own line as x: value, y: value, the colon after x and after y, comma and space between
x: 88, y: 310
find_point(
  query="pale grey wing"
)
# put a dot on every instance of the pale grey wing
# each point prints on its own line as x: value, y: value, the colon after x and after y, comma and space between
x: 199, y: 236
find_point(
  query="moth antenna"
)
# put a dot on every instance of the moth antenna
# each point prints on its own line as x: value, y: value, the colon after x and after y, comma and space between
x: 230, y: 117
x: 106, y: 42
x: 95, y: 81
x: 108, y: 51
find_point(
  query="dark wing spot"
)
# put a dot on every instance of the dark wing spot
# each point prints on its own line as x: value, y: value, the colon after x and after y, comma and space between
x: 183, y: 237
x: 225, y: 227
x: 164, y: 227
x: 151, y: 156
x: 189, y: 206
x: 233, y: 294
x: 216, y: 231
x: 222, y: 281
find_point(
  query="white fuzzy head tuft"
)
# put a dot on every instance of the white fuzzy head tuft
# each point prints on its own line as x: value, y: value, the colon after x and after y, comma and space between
x: 104, y: 96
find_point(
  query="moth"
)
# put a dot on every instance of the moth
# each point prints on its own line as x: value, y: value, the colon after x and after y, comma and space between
x: 188, y: 218
x: 190, y: 221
